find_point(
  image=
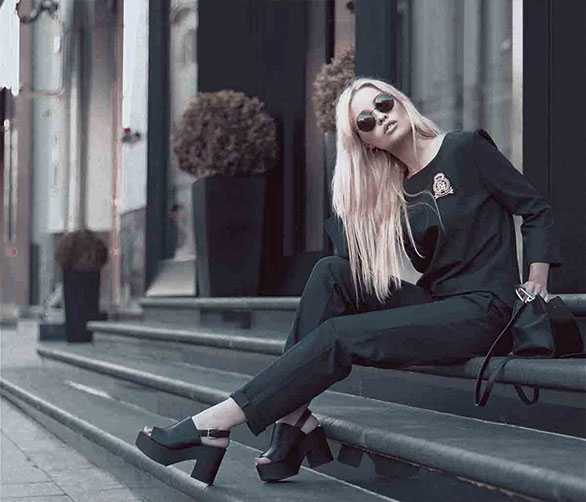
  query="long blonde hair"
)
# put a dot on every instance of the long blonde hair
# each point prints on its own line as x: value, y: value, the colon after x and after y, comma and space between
x: 369, y: 198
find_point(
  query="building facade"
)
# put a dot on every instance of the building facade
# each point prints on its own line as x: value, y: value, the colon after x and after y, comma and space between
x: 87, y: 137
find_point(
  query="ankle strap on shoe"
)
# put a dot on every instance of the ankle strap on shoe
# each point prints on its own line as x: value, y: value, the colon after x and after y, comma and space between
x: 217, y: 433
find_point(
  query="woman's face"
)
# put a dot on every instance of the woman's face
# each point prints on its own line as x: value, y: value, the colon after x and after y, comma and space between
x: 380, y: 136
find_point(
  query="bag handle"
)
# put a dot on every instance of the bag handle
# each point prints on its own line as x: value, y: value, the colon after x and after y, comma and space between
x: 481, y: 400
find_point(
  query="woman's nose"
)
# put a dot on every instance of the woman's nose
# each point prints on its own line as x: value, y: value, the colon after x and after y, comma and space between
x: 380, y: 117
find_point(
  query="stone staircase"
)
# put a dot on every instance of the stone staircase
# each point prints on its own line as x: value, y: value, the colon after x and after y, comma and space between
x: 408, y: 435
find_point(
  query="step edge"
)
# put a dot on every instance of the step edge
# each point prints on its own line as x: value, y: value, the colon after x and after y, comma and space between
x: 263, y: 345
x: 576, y: 302
x: 274, y: 346
x: 174, y: 478
x: 252, y: 303
x: 567, y: 483
x: 122, y: 449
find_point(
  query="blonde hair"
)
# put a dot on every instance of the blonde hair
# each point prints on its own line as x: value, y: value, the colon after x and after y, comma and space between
x: 369, y: 198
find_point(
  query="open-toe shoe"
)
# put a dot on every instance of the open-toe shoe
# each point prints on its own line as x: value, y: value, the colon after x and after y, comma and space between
x: 289, y: 446
x: 182, y: 441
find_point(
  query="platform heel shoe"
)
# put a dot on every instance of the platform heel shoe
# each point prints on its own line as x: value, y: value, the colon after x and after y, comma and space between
x: 182, y: 441
x: 289, y: 446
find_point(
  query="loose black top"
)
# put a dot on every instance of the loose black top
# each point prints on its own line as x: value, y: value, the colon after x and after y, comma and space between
x: 477, y: 191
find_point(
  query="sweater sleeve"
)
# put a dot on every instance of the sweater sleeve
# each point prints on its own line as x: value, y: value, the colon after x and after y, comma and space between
x: 513, y: 190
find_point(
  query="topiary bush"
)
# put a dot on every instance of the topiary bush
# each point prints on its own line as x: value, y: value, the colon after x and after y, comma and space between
x: 225, y: 133
x: 328, y: 85
x: 81, y: 251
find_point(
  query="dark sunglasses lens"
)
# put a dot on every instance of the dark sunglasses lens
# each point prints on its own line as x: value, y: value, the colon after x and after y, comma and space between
x: 384, y: 103
x: 365, y: 122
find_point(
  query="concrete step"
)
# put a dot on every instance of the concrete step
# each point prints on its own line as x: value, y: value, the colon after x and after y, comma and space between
x: 238, y: 312
x: 262, y: 312
x: 562, y: 406
x: 523, y: 461
x: 78, y: 403
x: 402, y: 482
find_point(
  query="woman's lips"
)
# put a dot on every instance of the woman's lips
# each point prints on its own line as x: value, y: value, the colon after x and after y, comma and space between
x: 390, y: 128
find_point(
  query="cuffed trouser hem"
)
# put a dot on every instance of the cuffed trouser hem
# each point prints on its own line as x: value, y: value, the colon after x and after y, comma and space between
x: 251, y: 421
x: 301, y: 373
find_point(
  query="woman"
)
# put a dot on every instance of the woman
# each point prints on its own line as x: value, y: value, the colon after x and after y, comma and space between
x: 457, y: 229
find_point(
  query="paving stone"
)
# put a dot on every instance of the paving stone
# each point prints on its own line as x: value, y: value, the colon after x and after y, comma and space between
x: 76, y: 481
x: 29, y: 489
x: 48, y: 498
x: 113, y: 495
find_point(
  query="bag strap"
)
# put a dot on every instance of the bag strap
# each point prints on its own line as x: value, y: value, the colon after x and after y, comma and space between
x: 481, y: 400
x: 521, y: 393
x: 535, y: 388
x: 523, y: 396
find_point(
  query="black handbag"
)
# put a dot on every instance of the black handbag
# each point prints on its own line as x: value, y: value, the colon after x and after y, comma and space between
x: 539, y: 329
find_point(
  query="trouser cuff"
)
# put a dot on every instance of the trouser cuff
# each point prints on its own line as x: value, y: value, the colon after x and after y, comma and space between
x: 241, y: 399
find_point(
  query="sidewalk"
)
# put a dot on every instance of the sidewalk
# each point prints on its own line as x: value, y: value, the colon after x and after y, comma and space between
x: 37, y: 466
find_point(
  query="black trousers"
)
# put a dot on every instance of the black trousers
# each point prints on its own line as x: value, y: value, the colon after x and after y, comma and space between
x: 330, y: 334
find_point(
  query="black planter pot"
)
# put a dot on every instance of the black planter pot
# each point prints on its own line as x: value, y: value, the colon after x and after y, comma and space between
x: 228, y: 220
x: 81, y: 292
x: 49, y: 331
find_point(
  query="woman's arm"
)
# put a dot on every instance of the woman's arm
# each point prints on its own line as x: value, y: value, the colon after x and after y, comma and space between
x: 513, y: 190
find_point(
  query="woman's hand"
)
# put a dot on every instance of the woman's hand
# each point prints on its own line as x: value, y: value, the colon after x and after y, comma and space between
x: 537, y: 283
x: 536, y: 288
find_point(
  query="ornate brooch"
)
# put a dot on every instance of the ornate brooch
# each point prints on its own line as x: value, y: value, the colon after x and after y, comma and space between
x: 441, y: 186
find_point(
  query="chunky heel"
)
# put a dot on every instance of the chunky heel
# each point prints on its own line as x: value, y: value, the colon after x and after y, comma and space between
x: 317, y: 449
x: 289, y: 446
x: 207, y: 463
x: 182, y: 441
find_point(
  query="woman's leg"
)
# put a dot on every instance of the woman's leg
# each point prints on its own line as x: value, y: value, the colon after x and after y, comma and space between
x: 329, y: 292
x: 449, y: 329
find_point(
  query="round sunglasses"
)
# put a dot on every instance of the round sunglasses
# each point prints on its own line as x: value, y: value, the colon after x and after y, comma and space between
x: 383, y: 103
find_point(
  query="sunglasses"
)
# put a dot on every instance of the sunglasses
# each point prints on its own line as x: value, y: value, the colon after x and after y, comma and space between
x: 383, y: 103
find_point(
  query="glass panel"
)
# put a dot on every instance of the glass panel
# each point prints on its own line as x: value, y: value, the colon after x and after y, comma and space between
x: 456, y: 64
x: 315, y: 172
x: 131, y: 177
x: 182, y: 86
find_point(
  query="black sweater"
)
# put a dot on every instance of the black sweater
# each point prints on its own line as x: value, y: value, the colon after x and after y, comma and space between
x: 477, y: 190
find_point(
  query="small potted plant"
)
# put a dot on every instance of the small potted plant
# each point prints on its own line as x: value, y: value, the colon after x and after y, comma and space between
x: 329, y: 83
x: 81, y: 254
x: 228, y: 143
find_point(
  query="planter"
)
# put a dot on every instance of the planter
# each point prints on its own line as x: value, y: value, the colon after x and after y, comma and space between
x: 81, y: 292
x: 50, y: 331
x: 228, y: 220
